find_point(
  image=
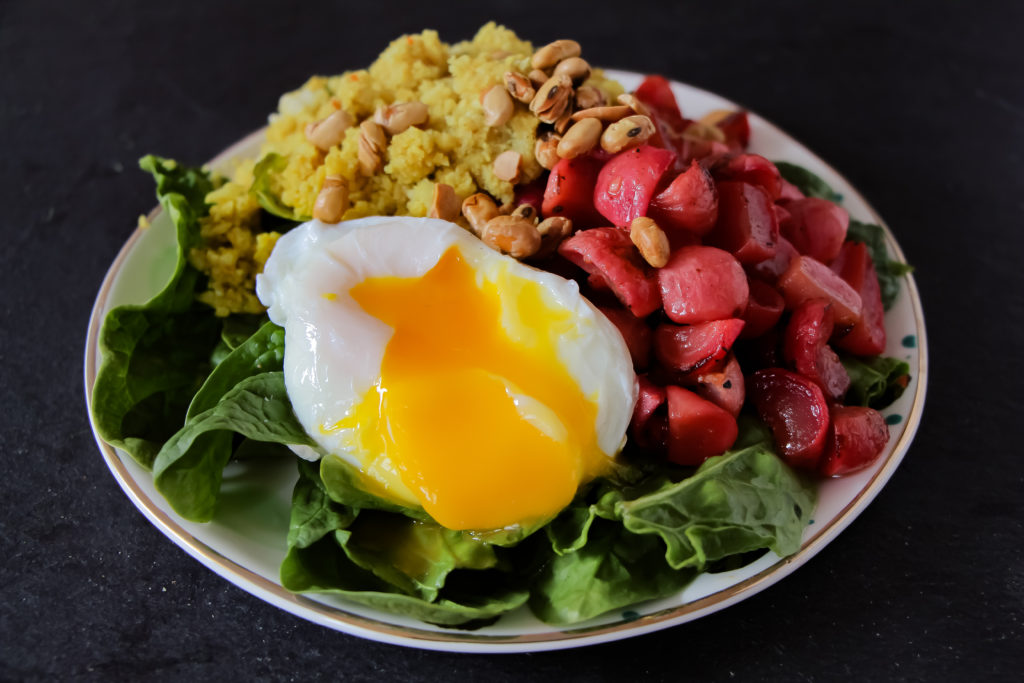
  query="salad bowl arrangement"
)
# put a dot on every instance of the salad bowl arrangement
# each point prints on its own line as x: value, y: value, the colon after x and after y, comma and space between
x: 655, y: 547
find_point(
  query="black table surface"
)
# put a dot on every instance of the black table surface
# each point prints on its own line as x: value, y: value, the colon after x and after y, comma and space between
x: 920, y: 105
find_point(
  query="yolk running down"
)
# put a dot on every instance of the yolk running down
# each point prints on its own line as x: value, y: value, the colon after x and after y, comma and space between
x: 481, y: 419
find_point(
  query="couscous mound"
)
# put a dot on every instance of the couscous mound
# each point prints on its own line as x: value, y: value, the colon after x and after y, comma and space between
x: 455, y: 146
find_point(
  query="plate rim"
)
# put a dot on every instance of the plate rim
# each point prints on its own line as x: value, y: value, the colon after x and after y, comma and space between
x: 474, y: 642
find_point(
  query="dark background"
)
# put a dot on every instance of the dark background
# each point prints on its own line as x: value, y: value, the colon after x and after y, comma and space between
x: 920, y: 105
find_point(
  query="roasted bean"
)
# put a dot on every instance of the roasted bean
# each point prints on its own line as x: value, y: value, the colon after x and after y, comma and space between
x: 552, y: 99
x: 330, y: 131
x: 546, y: 150
x: 581, y: 137
x: 526, y: 212
x: 519, y: 86
x: 478, y: 209
x: 332, y: 200
x: 588, y: 96
x: 627, y: 133
x: 578, y: 70
x: 498, y: 106
x: 399, y: 116
x: 372, y: 143
x: 630, y: 100
x: 650, y: 240
x: 553, y: 232
x: 552, y: 53
x: 511, y: 235
x: 537, y: 78
x: 507, y: 165
x: 608, y: 114
x: 445, y: 203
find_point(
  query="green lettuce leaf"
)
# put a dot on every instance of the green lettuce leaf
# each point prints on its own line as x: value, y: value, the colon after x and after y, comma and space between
x: 875, y: 382
x: 890, y: 272
x: 267, y: 166
x: 808, y: 183
x: 155, y: 356
x: 189, y: 468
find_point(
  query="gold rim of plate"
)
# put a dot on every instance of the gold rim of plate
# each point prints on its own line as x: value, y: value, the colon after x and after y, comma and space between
x: 469, y: 641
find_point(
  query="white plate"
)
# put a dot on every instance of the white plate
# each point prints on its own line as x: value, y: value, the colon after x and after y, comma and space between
x: 246, y: 542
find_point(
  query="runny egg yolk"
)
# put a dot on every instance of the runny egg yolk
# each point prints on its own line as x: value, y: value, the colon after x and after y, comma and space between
x: 473, y: 407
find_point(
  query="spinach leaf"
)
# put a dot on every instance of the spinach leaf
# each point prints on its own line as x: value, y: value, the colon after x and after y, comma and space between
x: 889, y: 271
x: 740, y: 501
x: 613, y: 568
x: 875, y: 382
x: 263, y: 351
x: 156, y: 355
x: 189, y: 468
x: 261, y: 187
x: 390, y: 561
x: 344, y: 485
x: 807, y: 182
x: 313, y: 513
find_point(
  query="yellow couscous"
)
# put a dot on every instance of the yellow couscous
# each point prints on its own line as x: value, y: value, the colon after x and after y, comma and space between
x: 455, y: 147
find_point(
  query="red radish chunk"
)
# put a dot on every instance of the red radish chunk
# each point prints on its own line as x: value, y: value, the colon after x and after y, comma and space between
x: 610, y: 253
x: 749, y: 168
x: 816, y: 227
x: 736, y: 127
x: 724, y: 387
x: 805, y: 348
x: 771, y: 269
x: 532, y: 193
x: 701, y: 283
x: 656, y: 93
x: 690, y: 202
x: 764, y: 308
x: 856, y: 438
x: 697, y: 428
x: 790, y: 191
x: 643, y: 426
x: 691, y: 347
x: 570, y: 192
x: 807, y: 278
x: 627, y: 182
x: 795, y: 410
x: 747, y: 227
x: 636, y: 333
x: 867, y: 337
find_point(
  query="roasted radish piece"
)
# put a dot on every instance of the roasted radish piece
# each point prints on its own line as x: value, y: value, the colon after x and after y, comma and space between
x: 867, y: 337
x: 723, y: 386
x: 627, y: 182
x: 816, y: 227
x: 764, y: 308
x: 700, y: 283
x: 570, y: 192
x: 805, y: 348
x: 807, y: 278
x: 645, y: 427
x: 610, y: 253
x: 690, y: 202
x: 636, y: 333
x: 795, y: 410
x: 748, y: 168
x: 856, y: 437
x: 747, y: 227
x: 686, y: 348
x: 697, y: 428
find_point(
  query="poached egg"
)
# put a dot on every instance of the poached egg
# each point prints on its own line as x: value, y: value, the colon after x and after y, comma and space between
x: 447, y: 375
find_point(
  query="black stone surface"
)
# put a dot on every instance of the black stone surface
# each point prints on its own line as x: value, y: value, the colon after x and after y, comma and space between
x: 920, y: 105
